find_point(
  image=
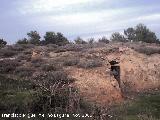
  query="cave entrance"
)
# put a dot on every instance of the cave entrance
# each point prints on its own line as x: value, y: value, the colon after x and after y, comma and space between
x: 115, y: 70
x: 116, y: 73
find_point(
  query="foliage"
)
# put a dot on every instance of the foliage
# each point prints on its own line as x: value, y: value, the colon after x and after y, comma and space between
x: 141, y: 33
x: 91, y: 40
x: 34, y: 37
x: 49, y: 38
x: 37, y: 62
x: 144, y: 34
x: 54, y: 38
x: 103, y: 40
x: 2, y: 42
x: 24, y: 71
x: 148, y: 50
x: 117, y: 37
x: 145, y: 107
x: 130, y: 34
x: 61, y: 40
x: 71, y: 62
x: 87, y: 64
x: 23, y: 41
x: 79, y: 40
x: 4, y: 52
x: 8, y: 66
x: 50, y: 67
x: 11, y: 50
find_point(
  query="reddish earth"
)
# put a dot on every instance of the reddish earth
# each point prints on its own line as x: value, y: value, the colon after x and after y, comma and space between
x: 138, y: 72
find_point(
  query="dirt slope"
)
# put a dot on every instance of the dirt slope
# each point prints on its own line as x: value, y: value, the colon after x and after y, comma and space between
x: 98, y: 85
x: 138, y: 72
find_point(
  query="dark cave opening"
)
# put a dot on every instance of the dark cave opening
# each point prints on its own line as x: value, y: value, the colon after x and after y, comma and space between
x: 115, y: 70
x: 116, y: 73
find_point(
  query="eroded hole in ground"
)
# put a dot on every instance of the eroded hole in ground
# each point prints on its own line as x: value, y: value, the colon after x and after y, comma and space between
x: 115, y: 70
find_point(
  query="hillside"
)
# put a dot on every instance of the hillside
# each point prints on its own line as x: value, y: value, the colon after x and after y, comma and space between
x: 97, y: 74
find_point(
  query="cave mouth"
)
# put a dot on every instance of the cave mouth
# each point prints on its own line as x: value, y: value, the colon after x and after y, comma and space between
x: 113, y: 62
x: 116, y: 73
x: 115, y: 70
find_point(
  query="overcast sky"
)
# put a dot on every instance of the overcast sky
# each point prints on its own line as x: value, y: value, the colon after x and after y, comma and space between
x: 85, y: 18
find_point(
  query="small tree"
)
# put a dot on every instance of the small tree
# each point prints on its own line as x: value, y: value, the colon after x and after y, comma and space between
x: 79, y: 40
x: 144, y: 34
x: 103, y: 40
x: 2, y: 42
x: 34, y: 37
x: 61, y: 40
x: 50, y: 38
x: 23, y: 41
x: 117, y: 37
x: 91, y: 40
x: 130, y: 34
x: 55, y: 38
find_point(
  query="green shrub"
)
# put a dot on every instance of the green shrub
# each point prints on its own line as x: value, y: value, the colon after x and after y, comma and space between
x: 103, y: 40
x: 8, y: 66
x: 50, y: 67
x: 4, y: 52
x: 24, y: 71
x: 89, y: 64
x: 24, y: 57
x: 148, y: 50
x: 37, y: 62
x: 50, y: 78
x: 2, y: 42
x: 16, y: 96
x: 71, y: 62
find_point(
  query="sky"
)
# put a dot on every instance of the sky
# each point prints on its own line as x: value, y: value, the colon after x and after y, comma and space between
x: 84, y: 18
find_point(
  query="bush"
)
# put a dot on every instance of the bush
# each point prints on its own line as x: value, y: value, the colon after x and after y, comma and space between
x: 22, y: 41
x: 34, y: 37
x: 54, y: 38
x: 24, y: 71
x: 117, y: 37
x: 56, y: 95
x: 148, y: 50
x: 103, y: 40
x: 8, y: 66
x: 2, y: 42
x: 16, y: 96
x: 141, y: 33
x: 10, y: 51
x: 71, y: 62
x: 90, y: 64
x: 5, y: 52
x: 50, y: 78
x: 37, y: 62
x: 50, y: 67
x: 16, y: 48
x: 73, y: 47
x: 79, y: 40
x: 24, y: 57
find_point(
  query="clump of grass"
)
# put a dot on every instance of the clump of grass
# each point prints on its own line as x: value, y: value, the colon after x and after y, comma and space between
x: 15, y: 95
x: 144, y: 107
